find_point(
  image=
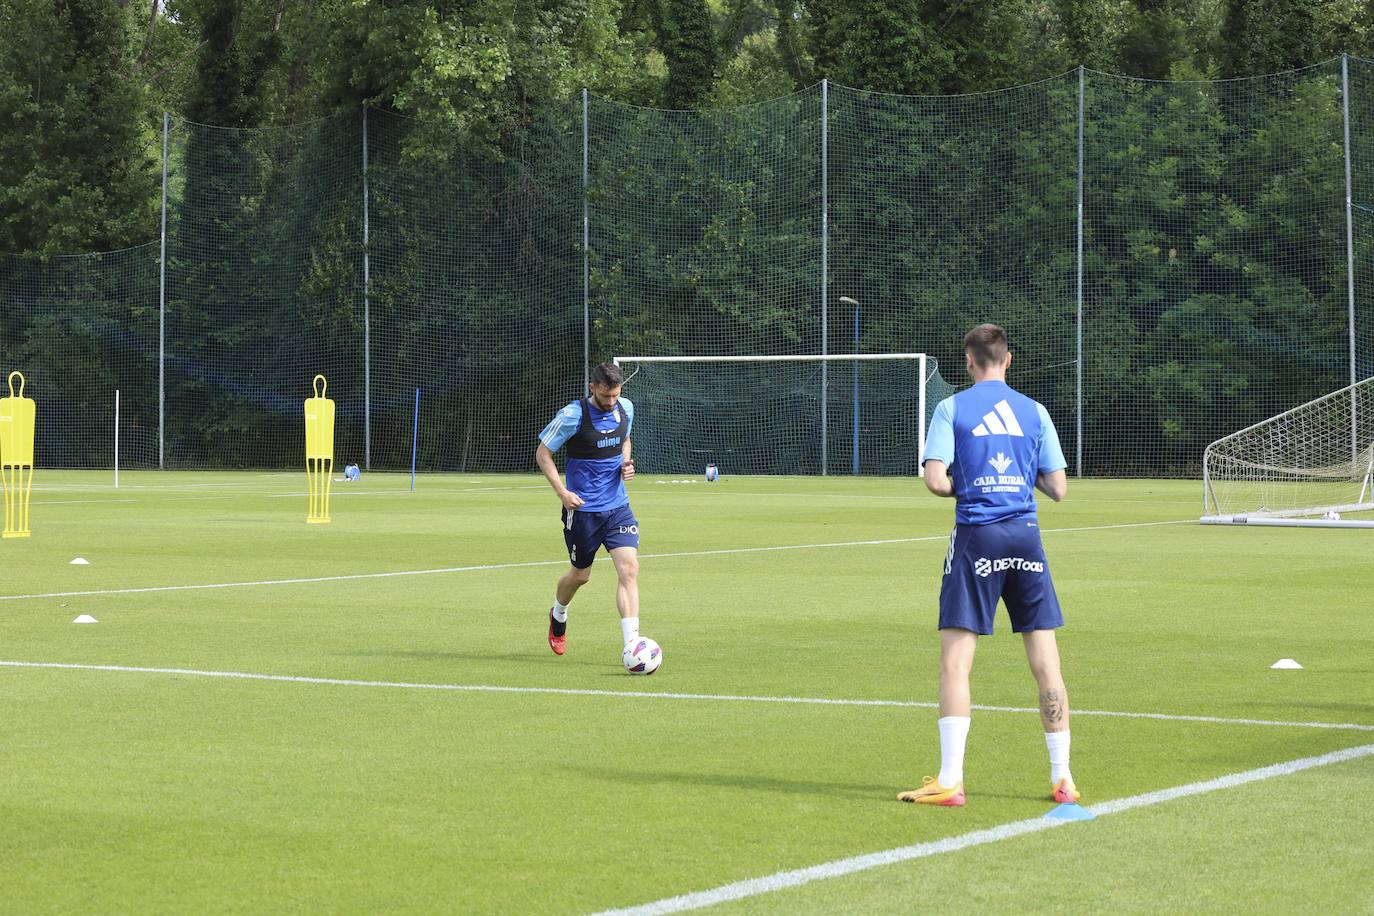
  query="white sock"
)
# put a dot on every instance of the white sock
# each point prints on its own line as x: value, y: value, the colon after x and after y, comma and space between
x: 953, y: 737
x: 629, y: 627
x: 1058, y: 743
x: 560, y: 611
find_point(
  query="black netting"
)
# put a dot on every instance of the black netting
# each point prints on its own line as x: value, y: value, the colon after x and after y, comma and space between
x: 476, y: 293
x: 1214, y: 264
x: 263, y: 290
x: 947, y: 212
x: 80, y: 328
x: 1215, y: 261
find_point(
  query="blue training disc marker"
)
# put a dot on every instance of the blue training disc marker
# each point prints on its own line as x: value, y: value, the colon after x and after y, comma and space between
x: 1067, y: 812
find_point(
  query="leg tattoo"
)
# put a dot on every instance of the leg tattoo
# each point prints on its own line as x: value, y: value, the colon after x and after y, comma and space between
x: 1052, y: 707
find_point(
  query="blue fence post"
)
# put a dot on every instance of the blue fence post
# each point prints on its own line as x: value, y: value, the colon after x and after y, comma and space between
x: 414, y: 440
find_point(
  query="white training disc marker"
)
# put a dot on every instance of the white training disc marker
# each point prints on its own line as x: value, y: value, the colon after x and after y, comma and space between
x: 1286, y: 663
x: 85, y: 618
x: 80, y: 561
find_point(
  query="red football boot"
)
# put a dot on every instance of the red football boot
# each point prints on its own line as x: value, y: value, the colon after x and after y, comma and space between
x: 558, y: 643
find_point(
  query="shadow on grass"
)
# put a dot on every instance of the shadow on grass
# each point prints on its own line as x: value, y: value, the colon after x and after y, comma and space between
x: 748, y: 781
x: 433, y: 655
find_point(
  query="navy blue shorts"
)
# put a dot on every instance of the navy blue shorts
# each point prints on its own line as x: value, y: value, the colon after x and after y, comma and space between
x: 585, y: 532
x: 1004, y: 560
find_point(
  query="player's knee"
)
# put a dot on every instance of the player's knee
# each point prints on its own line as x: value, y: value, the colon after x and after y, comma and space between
x: 955, y: 665
x: 580, y: 576
x: 629, y: 571
x: 1045, y: 670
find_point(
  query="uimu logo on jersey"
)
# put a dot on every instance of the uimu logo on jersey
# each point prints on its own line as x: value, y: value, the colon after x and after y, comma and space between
x: 999, y: 420
x: 985, y: 567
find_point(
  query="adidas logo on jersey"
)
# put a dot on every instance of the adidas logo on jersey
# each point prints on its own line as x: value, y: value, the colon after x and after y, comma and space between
x: 999, y: 420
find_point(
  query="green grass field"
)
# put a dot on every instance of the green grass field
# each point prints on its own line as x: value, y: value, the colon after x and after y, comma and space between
x: 155, y: 791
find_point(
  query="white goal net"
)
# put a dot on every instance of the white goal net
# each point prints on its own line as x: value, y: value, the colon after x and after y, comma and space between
x: 1308, y: 466
x: 837, y: 414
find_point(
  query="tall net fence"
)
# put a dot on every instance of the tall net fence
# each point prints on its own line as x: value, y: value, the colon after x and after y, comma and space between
x: 1361, y: 123
x: 476, y: 293
x: 1215, y: 288
x: 947, y: 212
x: 263, y: 280
x: 705, y: 229
x: 81, y: 328
x: 1215, y: 227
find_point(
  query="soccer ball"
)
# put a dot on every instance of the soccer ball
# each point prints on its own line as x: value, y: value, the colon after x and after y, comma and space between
x: 1332, y: 516
x: 642, y: 656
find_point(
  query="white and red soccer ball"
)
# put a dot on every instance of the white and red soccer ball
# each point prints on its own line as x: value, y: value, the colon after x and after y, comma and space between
x: 642, y: 655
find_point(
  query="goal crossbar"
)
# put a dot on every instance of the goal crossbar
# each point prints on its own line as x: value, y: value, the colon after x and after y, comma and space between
x: 830, y: 357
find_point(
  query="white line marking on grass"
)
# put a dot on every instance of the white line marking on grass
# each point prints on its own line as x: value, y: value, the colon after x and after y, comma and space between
x: 533, y: 563
x: 926, y: 497
x: 645, y: 694
x: 782, y: 880
x: 304, y: 495
x: 133, y: 500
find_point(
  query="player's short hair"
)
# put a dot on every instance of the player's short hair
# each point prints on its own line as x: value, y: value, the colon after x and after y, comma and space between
x: 987, y: 344
x: 608, y: 374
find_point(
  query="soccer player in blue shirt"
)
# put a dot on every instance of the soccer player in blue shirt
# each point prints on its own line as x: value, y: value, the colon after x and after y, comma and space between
x: 596, y: 508
x: 989, y: 447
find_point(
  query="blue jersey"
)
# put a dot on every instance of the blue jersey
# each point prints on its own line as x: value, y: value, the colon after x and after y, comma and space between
x: 995, y: 441
x: 596, y: 442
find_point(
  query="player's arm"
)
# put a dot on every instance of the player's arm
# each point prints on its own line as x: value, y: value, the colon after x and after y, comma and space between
x: 1054, y: 484
x: 937, y: 478
x: 1052, y: 481
x: 627, y: 463
x: 544, y: 458
x: 939, y: 450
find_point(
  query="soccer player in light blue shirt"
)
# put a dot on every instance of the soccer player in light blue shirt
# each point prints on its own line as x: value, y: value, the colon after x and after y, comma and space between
x: 596, y: 508
x: 990, y: 447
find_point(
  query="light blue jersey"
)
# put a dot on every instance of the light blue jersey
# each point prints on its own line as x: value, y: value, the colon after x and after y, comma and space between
x: 595, y: 440
x: 995, y: 441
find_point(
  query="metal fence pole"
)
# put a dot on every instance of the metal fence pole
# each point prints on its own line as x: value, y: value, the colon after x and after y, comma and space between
x: 1349, y: 248
x: 367, y: 314
x: 1078, y: 360
x: 825, y: 266
x: 586, y: 253
x: 162, y: 308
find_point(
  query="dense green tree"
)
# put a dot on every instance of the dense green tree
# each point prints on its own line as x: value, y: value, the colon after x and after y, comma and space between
x: 227, y: 91
x: 1086, y: 29
x: 991, y: 45
x: 1214, y: 245
x: 1155, y: 40
x: 688, y: 45
x: 888, y: 46
x: 76, y: 171
x: 1269, y: 36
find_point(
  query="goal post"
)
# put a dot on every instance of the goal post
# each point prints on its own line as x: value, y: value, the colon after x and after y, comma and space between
x: 843, y: 413
x: 1306, y: 467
